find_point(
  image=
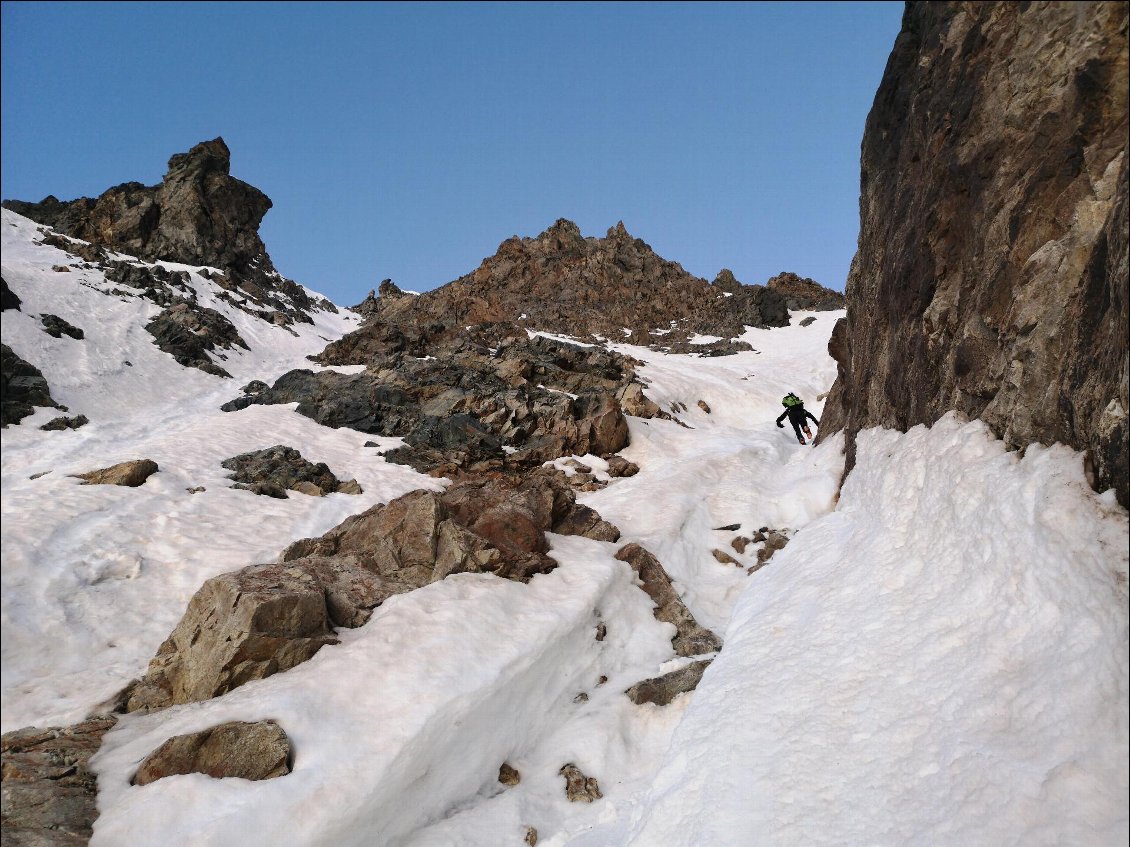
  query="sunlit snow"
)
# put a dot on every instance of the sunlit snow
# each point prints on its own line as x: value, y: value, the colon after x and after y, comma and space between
x: 939, y: 655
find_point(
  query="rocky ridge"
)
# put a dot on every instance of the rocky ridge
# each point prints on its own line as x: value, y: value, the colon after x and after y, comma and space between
x: 991, y: 276
x: 199, y: 215
x: 614, y: 287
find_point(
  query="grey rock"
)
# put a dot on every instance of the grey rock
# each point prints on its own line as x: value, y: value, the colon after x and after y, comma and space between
x: 661, y: 690
x: 275, y: 470
x: 64, y: 422
x: 56, y: 327
x: 187, y: 331
x: 254, y: 751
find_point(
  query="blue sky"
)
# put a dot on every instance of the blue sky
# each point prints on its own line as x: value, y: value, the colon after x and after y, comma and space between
x: 408, y: 140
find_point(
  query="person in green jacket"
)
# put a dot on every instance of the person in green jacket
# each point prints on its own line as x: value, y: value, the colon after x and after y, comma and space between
x: 798, y: 416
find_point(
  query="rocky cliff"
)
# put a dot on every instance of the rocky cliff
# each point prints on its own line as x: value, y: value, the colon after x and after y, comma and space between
x: 198, y: 215
x: 991, y: 274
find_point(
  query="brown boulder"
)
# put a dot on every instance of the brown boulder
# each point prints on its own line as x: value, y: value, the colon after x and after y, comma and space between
x: 132, y: 474
x: 690, y: 639
x: 254, y: 751
x: 578, y: 787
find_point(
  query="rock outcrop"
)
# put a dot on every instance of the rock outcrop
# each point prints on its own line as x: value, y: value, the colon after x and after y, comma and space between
x: 187, y: 331
x: 474, y: 408
x: 275, y: 470
x: 991, y: 276
x: 49, y: 791
x: 804, y: 293
x: 613, y: 287
x: 199, y: 215
x: 268, y: 618
x: 23, y: 387
x: 8, y: 298
x: 254, y: 751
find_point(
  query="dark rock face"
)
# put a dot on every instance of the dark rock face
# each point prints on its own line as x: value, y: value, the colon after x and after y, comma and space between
x: 22, y: 389
x: 268, y: 618
x: 538, y: 397
x: 991, y: 276
x: 198, y: 215
x: 255, y: 751
x: 186, y: 331
x: 276, y: 470
x: 56, y: 327
x: 8, y: 298
x: 564, y: 283
x: 804, y: 293
x: 49, y: 791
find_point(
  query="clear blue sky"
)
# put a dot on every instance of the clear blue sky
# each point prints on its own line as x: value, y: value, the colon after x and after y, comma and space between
x: 409, y: 140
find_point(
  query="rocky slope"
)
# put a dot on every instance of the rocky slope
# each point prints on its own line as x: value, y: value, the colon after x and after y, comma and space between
x: 614, y: 287
x: 991, y: 276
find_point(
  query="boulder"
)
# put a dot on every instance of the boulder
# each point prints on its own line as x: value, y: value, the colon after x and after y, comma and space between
x: 275, y: 470
x: 661, y: 690
x: 268, y: 618
x: 690, y: 638
x: 130, y: 474
x: 578, y: 787
x: 238, y: 627
x: 64, y: 422
x: 56, y: 327
x: 255, y: 751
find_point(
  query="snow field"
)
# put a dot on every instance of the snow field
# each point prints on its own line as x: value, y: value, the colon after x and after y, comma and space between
x: 942, y: 660
x: 411, y: 713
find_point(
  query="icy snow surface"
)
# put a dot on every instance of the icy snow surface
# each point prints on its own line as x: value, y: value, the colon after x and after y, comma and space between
x: 938, y: 657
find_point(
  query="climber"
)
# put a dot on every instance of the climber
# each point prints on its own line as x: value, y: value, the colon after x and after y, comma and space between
x: 797, y: 414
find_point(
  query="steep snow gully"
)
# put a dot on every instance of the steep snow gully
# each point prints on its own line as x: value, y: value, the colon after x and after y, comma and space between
x: 938, y: 656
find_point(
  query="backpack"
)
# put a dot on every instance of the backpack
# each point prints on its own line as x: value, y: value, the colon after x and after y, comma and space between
x: 790, y: 400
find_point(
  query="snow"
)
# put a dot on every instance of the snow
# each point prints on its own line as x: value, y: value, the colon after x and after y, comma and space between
x: 939, y: 655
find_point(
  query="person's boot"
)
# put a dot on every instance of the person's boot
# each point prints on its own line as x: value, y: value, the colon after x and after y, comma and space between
x: 800, y: 438
x: 807, y: 432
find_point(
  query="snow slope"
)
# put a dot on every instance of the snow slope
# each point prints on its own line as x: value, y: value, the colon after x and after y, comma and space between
x: 939, y: 656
